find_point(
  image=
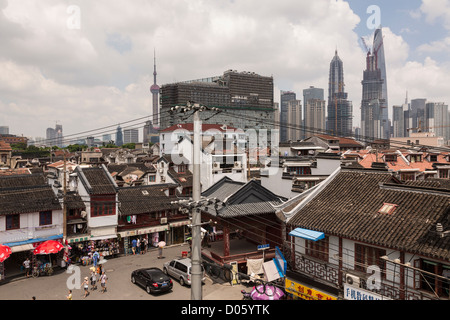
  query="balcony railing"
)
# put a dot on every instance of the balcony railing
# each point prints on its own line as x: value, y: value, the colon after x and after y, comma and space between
x: 329, y: 274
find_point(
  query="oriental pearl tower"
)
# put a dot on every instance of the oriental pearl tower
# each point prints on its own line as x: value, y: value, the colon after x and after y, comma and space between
x: 154, y: 89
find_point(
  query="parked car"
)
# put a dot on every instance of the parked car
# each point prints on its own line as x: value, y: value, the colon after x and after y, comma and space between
x: 180, y: 269
x: 152, y: 279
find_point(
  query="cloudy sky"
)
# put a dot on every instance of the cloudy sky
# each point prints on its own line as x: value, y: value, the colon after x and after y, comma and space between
x: 88, y: 65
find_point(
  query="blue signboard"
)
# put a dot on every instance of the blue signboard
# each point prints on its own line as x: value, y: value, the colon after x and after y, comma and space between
x: 263, y: 246
x: 280, y: 262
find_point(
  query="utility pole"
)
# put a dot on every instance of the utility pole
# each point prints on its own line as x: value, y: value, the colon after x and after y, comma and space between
x: 197, y: 202
x: 64, y: 202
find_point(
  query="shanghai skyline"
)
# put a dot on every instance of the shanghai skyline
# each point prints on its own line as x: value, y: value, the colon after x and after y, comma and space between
x: 96, y: 71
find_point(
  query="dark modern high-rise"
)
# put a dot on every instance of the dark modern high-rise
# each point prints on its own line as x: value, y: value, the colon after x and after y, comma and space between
x: 374, y: 105
x: 374, y: 119
x: 119, y: 137
x: 339, y: 116
x: 285, y: 97
x: 245, y: 99
x: 154, y: 89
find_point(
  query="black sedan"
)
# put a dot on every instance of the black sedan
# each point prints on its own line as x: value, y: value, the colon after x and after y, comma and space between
x: 152, y: 279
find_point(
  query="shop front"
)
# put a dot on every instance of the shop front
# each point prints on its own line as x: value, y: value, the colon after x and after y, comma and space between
x: 153, y: 235
x: 296, y: 289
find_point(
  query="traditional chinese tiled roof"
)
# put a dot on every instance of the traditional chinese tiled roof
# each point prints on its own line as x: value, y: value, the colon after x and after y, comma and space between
x: 97, y: 181
x: 26, y: 194
x: 144, y: 199
x: 348, y: 206
x: 241, y: 199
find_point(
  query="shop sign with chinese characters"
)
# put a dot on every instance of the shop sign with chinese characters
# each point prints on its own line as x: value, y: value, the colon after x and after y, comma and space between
x: 305, y: 292
x: 353, y: 293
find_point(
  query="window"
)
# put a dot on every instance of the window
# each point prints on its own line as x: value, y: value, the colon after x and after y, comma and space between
x: 318, y: 249
x: 12, y: 222
x: 436, y: 279
x: 300, y: 170
x: 181, y: 168
x: 388, y: 208
x: 103, y: 206
x: 390, y: 157
x: 152, y: 178
x: 368, y: 256
x: 433, y: 158
x: 45, y: 218
x: 443, y: 173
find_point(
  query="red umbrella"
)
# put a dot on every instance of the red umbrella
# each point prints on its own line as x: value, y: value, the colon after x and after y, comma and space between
x: 5, y: 252
x: 49, y: 246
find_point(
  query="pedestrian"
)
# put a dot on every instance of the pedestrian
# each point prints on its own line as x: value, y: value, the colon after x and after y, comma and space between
x: 95, y: 257
x: 26, y: 265
x: 93, y: 280
x: 69, y: 296
x: 133, y: 246
x: 142, y: 246
x: 138, y: 246
x: 145, y: 244
x: 103, y: 279
x: 86, y: 286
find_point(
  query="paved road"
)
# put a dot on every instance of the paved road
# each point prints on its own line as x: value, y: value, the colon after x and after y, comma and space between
x: 119, y: 286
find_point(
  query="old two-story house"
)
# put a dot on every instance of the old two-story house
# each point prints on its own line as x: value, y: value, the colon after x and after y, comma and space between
x: 362, y: 234
x: 146, y: 212
x: 99, y: 192
x: 30, y: 214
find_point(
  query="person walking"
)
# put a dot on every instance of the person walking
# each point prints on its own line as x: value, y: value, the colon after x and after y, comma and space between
x: 69, y: 296
x: 93, y: 280
x: 138, y: 246
x: 86, y: 286
x: 103, y: 279
x: 133, y: 246
x: 95, y: 257
x: 26, y: 265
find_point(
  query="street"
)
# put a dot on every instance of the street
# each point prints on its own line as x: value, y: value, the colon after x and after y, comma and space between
x: 119, y: 286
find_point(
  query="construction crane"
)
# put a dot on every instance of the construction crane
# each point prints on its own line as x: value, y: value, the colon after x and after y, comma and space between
x: 365, y: 45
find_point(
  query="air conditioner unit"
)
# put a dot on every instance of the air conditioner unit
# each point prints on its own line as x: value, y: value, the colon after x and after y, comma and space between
x: 161, y: 170
x: 163, y: 220
x: 237, y: 165
x: 352, y: 280
x: 216, y: 165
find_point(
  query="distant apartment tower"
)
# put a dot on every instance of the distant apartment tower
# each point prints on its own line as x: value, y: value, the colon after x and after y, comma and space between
x: 294, y: 120
x: 308, y: 94
x: 374, y: 110
x: 398, y: 121
x: 417, y: 114
x: 119, y: 137
x: 437, y: 119
x: 130, y: 136
x: 315, y: 120
x: 339, y: 115
x: 4, y: 130
x: 285, y: 98
x: 54, y: 137
x: 245, y: 98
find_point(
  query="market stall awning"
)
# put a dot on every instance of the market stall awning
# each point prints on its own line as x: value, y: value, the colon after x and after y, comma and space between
x: 307, y: 234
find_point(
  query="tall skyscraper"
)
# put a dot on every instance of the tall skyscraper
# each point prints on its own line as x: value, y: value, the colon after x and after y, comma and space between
x: 339, y: 118
x: 154, y: 89
x: 308, y: 94
x: 374, y: 110
x: 315, y: 120
x: 294, y: 120
x: 285, y: 98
